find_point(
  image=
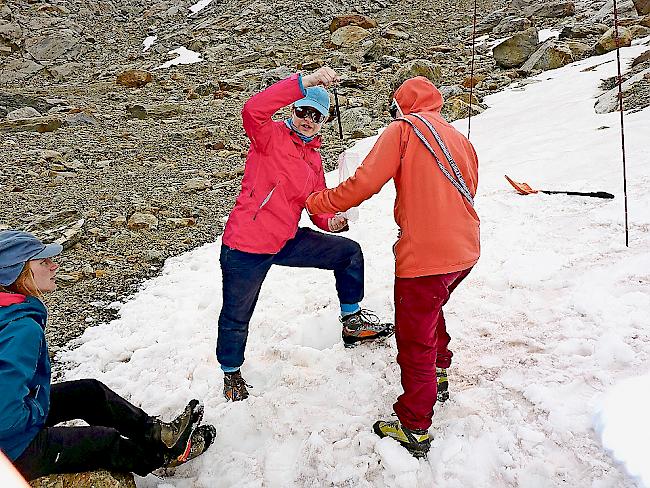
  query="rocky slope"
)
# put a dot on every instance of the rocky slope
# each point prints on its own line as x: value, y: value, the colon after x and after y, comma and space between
x: 128, y: 163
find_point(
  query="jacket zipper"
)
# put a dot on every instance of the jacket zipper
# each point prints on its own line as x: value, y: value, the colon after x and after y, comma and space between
x: 265, y: 201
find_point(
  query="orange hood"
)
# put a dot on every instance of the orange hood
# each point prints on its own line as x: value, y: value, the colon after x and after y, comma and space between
x: 418, y: 95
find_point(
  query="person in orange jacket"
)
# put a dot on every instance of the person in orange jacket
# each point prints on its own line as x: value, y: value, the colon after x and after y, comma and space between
x: 435, y: 170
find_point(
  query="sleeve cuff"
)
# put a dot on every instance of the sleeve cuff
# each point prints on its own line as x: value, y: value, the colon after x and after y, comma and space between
x: 302, y: 88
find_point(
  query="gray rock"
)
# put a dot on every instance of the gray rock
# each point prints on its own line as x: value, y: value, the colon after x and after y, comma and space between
x: 417, y: 67
x: 5, y: 12
x: 34, y: 124
x: 581, y: 31
x: 486, y: 23
x: 63, y: 72
x: 47, y: 49
x: 607, y: 42
x: 23, y: 113
x: 196, y: 184
x: 550, y: 55
x: 274, y: 75
x: 449, y: 91
x: 556, y: 9
x: 512, y: 24
x: 606, y: 13
x: 514, y: 51
x: 80, y: 119
x: 642, y: 6
x: 10, y: 34
x: 608, y: 101
x: 16, y: 70
x: 355, y: 119
x: 96, y: 479
x: 142, y: 221
x: 349, y: 35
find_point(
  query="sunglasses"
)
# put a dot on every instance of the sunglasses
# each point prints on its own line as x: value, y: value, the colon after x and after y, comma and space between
x: 309, y: 112
x: 395, y: 110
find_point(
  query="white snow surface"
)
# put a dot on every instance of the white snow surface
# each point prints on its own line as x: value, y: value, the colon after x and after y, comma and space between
x: 184, y: 56
x: 553, y: 316
x: 148, y: 42
x: 200, y: 5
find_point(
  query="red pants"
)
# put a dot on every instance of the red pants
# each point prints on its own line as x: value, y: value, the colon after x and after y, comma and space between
x: 422, y: 342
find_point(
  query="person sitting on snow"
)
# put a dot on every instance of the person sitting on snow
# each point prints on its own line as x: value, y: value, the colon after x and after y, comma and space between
x: 435, y: 170
x: 282, y: 168
x: 120, y: 436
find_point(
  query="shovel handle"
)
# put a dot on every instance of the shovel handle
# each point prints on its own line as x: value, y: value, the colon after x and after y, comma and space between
x: 596, y: 194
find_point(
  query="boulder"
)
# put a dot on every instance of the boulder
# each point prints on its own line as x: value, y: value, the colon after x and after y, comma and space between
x: 142, y: 221
x: 352, y: 19
x: 550, y: 55
x: 607, y: 42
x: 639, y: 31
x: 581, y: 31
x: 163, y: 111
x: 134, y: 78
x: 355, y: 119
x: 512, y: 24
x: 34, y: 124
x: 551, y: 9
x: 64, y: 45
x: 580, y: 50
x: 16, y: 70
x: 349, y: 35
x: 94, y: 479
x: 23, y: 113
x: 642, y: 6
x: 417, y: 67
x: 196, y: 184
x: 514, y: 51
x: 642, y: 58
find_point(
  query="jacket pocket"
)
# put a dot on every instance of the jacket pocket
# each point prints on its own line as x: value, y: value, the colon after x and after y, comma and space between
x: 265, y: 201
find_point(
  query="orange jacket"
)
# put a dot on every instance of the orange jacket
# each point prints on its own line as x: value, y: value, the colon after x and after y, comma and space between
x: 439, y: 229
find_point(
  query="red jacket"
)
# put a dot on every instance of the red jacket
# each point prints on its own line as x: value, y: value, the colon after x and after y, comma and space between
x: 439, y: 229
x: 281, y: 172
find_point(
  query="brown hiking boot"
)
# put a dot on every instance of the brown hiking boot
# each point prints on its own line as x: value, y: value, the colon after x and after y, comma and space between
x: 234, y: 386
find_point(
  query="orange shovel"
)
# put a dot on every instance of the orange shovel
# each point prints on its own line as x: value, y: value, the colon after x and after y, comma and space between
x: 525, y: 189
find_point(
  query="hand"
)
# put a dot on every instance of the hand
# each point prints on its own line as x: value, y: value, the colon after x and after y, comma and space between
x: 338, y: 223
x: 324, y: 76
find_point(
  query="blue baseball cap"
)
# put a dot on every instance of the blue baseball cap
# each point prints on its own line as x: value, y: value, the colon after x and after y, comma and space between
x: 316, y: 97
x: 18, y: 247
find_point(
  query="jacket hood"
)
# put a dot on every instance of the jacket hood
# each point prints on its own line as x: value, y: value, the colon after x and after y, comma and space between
x: 418, y: 95
x: 14, y: 307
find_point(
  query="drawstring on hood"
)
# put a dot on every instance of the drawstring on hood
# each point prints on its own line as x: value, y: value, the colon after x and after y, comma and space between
x: 418, y: 94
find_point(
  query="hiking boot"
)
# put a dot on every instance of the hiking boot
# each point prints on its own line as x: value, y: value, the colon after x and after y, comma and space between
x: 362, y: 326
x: 443, y: 385
x: 179, y: 430
x: 197, y: 444
x: 417, y: 442
x: 234, y: 386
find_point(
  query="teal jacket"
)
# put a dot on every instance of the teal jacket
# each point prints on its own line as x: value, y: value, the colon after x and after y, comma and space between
x: 24, y: 372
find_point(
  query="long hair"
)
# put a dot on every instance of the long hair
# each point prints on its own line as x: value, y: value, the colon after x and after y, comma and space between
x: 24, y: 284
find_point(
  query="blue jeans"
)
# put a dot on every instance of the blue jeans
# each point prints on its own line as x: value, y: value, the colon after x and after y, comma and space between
x: 243, y: 274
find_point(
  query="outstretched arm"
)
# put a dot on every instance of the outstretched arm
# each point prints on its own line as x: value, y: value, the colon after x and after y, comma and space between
x: 377, y: 168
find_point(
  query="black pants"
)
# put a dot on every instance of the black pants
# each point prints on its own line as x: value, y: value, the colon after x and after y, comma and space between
x: 243, y: 274
x: 119, y: 437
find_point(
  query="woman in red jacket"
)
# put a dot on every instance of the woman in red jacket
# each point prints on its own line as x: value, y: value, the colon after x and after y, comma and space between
x: 283, y: 167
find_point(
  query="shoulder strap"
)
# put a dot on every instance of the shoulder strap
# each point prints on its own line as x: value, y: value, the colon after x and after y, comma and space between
x: 458, y: 181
